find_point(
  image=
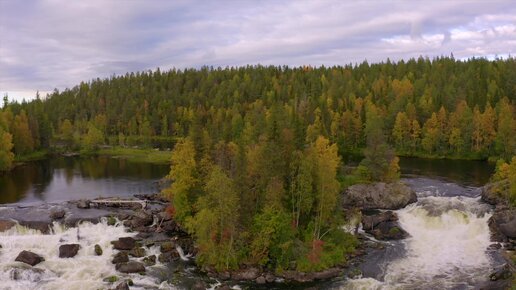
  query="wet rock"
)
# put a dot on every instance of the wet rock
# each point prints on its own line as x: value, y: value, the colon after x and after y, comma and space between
x: 6, y: 224
x: 42, y: 226
x: 371, y: 221
x: 68, y: 250
x: 503, y: 273
x: 57, y: 213
x: 126, y: 243
x: 98, y: 250
x: 137, y: 252
x: 502, y: 223
x: 29, y: 258
x: 199, y: 285
x: 141, y: 219
x: 111, y: 221
x: 120, y: 257
x: 261, y: 280
x: 150, y: 260
x: 169, y: 226
x: 298, y: 276
x: 168, y: 257
x: 223, y: 287
x: 122, y: 286
x: 509, y: 228
x: 83, y: 204
x: 130, y: 267
x: 167, y: 247
x: 495, y: 193
x: 378, y: 195
x: 246, y: 274
x: 388, y: 231
x: 27, y: 273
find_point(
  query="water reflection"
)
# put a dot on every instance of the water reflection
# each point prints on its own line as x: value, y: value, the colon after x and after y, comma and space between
x: 67, y: 178
x: 474, y: 173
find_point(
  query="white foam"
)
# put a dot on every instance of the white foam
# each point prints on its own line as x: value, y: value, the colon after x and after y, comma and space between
x: 84, y: 271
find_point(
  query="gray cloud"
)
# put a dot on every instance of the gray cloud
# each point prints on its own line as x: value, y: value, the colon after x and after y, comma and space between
x: 57, y: 43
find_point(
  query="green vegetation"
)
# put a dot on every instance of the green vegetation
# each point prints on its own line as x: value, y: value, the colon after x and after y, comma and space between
x: 267, y: 202
x: 137, y: 154
x: 505, y: 176
x: 441, y: 108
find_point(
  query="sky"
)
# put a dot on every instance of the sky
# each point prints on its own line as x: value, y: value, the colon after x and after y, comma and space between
x: 56, y: 44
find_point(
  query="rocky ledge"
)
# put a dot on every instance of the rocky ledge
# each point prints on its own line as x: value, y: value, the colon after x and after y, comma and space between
x: 378, y: 195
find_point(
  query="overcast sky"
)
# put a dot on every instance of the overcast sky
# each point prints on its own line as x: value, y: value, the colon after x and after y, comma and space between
x: 59, y: 43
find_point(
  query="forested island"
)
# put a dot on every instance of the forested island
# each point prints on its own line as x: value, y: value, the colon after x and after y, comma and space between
x: 257, y: 152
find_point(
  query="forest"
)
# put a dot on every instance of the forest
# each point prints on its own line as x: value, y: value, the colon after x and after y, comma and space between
x: 257, y: 159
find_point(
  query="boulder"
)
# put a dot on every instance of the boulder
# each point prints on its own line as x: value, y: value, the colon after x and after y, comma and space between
x: 120, y: 257
x: 150, y: 260
x: 137, y: 252
x: 199, y: 285
x: 6, y: 224
x: 494, y: 192
x: 167, y: 247
x: 42, y: 226
x: 68, y: 250
x: 57, y: 213
x: 122, y: 286
x: 509, y: 228
x: 168, y: 257
x: 141, y: 219
x: 130, y: 267
x: 98, y: 250
x: 270, y: 278
x: 246, y: 274
x: 388, y: 231
x: 378, y: 195
x: 126, y: 243
x: 83, y: 204
x: 29, y: 258
x: 371, y: 221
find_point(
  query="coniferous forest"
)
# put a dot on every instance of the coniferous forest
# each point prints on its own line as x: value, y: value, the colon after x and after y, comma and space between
x: 257, y: 160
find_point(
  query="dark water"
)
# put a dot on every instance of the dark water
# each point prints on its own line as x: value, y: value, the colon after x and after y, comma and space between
x: 472, y: 173
x: 70, y: 178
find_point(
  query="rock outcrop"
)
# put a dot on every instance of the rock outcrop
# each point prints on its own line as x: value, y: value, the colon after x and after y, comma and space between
x: 130, y: 267
x: 378, y: 195
x: 383, y: 226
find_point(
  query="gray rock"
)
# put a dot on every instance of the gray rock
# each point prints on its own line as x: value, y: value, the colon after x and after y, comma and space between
x: 130, y: 267
x: 120, y: 257
x: 137, y: 252
x: 167, y: 247
x: 378, y: 195
x: 168, y: 257
x: 29, y: 258
x: 503, y: 273
x: 122, y: 286
x: 246, y: 274
x: 68, y: 250
x: 125, y: 243
x: 141, y: 219
x: 83, y: 204
x: 327, y: 274
x: 57, y: 213
x: 509, y: 228
x: 371, y: 221
x: 199, y: 285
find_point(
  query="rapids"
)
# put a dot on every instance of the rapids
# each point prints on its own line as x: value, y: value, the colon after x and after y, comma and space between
x: 84, y: 271
x: 447, y: 247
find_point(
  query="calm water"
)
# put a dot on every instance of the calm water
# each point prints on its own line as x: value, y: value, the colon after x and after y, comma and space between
x: 70, y: 178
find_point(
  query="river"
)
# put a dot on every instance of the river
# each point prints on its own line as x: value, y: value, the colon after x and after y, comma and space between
x: 447, y: 247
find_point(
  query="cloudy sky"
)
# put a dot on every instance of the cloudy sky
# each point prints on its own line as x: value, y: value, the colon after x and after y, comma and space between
x: 58, y: 43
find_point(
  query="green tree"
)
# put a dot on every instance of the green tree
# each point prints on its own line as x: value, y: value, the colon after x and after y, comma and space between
x: 6, y: 145
x: 22, y: 136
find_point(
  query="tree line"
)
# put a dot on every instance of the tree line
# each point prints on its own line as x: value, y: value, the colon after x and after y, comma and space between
x: 435, y: 108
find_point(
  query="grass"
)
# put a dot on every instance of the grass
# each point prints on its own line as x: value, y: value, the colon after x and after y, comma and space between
x: 32, y: 156
x: 138, y: 154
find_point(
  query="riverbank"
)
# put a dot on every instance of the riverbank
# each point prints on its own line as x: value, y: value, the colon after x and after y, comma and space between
x: 137, y: 154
